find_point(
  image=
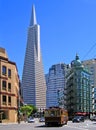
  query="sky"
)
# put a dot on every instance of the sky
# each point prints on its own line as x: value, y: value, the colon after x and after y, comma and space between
x: 67, y: 27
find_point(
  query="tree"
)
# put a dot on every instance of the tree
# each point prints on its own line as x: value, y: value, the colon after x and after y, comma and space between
x: 26, y: 109
x: 34, y: 109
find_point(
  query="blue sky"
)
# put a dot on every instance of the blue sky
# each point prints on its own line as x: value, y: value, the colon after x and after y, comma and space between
x: 67, y: 27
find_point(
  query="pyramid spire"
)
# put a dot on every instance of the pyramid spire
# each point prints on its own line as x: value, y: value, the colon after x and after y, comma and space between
x: 33, y: 17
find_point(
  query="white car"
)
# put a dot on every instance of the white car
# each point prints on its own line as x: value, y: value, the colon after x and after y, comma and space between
x: 93, y: 118
x: 31, y: 120
x: 42, y: 119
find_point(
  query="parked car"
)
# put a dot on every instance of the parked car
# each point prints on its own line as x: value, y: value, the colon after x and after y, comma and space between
x: 42, y: 119
x: 93, y: 118
x: 78, y: 119
x: 31, y: 120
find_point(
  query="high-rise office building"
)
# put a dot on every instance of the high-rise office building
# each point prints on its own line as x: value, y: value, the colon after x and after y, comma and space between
x: 33, y: 78
x: 91, y: 66
x: 55, y: 81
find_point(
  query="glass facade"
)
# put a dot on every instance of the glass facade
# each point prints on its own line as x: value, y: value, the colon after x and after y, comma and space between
x: 55, y: 81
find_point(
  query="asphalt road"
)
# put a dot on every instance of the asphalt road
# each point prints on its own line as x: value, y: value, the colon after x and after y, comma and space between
x: 87, y: 125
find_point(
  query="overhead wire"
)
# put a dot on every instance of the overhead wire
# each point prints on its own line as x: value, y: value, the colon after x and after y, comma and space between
x: 89, y: 51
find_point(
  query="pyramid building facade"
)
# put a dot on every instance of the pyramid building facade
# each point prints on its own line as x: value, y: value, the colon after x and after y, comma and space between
x: 33, y: 78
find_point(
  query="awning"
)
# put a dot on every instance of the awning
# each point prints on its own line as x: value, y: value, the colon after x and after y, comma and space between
x: 82, y: 113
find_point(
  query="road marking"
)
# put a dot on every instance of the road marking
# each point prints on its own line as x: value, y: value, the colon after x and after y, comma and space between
x: 77, y: 127
x: 92, y: 125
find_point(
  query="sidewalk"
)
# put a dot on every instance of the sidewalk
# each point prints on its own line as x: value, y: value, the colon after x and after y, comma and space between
x: 21, y: 122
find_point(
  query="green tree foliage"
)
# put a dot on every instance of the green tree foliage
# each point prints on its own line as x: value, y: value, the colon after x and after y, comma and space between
x: 26, y: 109
x: 34, y: 109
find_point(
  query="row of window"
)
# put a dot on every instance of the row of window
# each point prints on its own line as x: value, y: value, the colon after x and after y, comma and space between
x: 4, y: 100
x: 4, y: 86
x: 4, y: 71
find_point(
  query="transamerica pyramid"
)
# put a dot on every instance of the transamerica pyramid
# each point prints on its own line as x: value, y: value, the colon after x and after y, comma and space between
x: 33, y: 78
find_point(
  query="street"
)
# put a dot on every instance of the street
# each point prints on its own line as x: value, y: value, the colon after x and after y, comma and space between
x: 87, y: 125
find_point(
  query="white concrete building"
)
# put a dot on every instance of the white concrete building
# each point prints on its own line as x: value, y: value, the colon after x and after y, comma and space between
x: 33, y: 78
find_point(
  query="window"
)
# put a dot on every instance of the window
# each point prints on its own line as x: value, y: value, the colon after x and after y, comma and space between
x: 4, y: 70
x: 9, y: 73
x: 9, y: 87
x: 9, y: 100
x: 3, y: 85
x: 4, y: 100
